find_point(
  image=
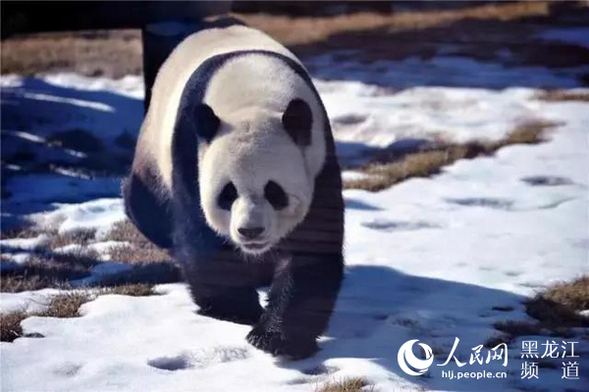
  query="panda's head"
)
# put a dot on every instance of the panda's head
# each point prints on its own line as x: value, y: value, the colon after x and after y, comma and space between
x: 257, y: 171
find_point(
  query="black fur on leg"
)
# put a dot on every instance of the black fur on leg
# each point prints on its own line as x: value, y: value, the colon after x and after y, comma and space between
x: 301, y: 301
x: 224, y: 289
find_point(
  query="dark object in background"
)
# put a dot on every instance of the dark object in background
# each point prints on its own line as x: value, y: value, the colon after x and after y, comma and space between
x: 310, y: 8
x: 326, y: 8
x: 21, y: 17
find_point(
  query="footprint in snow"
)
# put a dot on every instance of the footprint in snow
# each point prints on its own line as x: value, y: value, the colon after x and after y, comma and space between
x: 512, y: 273
x: 385, y: 225
x: 200, y: 358
x: 178, y: 362
x: 547, y: 181
x: 320, y: 370
x: 314, y: 375
x: 488, y: 202
x: 67, y: 369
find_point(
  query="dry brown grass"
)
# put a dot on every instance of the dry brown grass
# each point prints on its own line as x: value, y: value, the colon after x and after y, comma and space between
x: 78, y: 237
x: 574, y: 295
x: 424, y: 164
x: 307, y: 30
x: 563, y: 95
x: 46, y: 268
x: 26, y: 231
x: 28, y: 282
x: 126, y: 231
x: 113, y: 53
x: 421, y: 164
x: 351, y: 384
x: 132, y: 290
x: 66, y: 305
x: 10, y: 328
x: 554, y: 309
x: 557, y: 307
x: 527, y: 133
x: 142, y: 251
x: 150, y: 263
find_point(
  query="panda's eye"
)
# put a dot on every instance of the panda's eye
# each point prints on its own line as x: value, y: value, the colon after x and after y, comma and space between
x: 275, y: 195
x: 227, y: 196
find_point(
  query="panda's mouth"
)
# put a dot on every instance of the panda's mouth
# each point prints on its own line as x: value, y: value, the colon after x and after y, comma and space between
x: 255, y: 247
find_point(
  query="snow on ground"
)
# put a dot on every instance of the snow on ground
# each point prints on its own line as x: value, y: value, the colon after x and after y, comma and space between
x: 427, y: 259
x: 443, y: 70
x: 28, y: 301
x: 99, y: 105
x: 99, y: 214
x: 378, y: 119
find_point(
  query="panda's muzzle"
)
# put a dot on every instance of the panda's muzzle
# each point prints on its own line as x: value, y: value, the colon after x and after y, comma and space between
x: 250, y: 233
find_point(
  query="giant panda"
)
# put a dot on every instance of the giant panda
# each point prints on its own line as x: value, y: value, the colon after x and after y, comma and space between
x: 235, y: 173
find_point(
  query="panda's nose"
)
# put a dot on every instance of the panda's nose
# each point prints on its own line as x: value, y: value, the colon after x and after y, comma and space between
x: 250, y: 232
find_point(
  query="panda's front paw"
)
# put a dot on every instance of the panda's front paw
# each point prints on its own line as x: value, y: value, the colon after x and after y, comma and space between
x: 275, y: 343
x: 241, y: 316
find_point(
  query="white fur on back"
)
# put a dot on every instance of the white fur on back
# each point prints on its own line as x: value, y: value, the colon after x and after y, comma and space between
x: 157, y: 131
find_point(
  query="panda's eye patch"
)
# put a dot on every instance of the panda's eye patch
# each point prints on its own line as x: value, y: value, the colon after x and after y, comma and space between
x: 275, y: 195
x: 227, y: 196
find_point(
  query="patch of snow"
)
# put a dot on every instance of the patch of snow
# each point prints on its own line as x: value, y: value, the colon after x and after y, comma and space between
x: 50, y: 192
x: 60, y: 102
x: 26, y: 301
x: 69, y: 101
x: 454, y: 114
x: 11, y: 80
x: 352, y: 175
x: 486, y: 202
x: 210, y: 353
x: 14, y: 261
x: 445, y: 71
x: 131, y: 86
x: 97, y: 215
x: 69, y: 249
x: 25, y: 136
x: 24, y: 243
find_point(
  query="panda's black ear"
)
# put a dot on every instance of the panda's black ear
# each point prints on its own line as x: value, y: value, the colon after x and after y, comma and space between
x: 207, y: 122
x: 297, y: 121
